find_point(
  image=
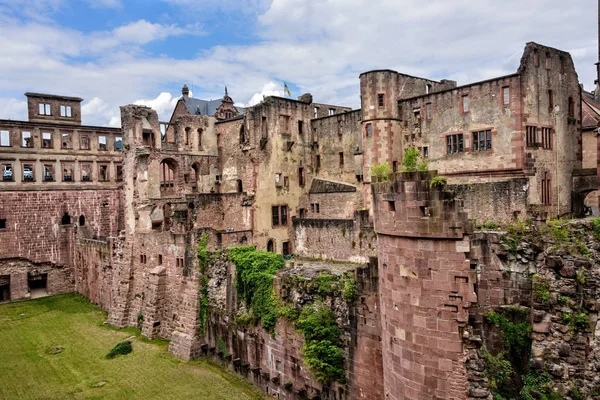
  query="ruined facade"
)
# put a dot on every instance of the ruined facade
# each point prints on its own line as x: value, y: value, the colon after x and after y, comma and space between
x: 123, y: 220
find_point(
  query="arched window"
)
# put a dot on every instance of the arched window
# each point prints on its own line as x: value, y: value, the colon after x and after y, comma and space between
x: 81, y: 220
x: 168, y: 169
x: 196, y: 169
x: 187, y: 135
x: 240, y: 187
x: 199, y: 138
x: 270, y: 246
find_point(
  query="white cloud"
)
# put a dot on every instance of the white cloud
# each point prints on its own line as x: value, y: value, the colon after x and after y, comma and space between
x: 13, y: 109
x: 269, y: 89
x: 163, y: 104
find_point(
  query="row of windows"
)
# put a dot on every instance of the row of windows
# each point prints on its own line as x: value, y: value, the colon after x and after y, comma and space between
x: 330, y: 111
x: 532, y: 139
x: 27, y: 141
x: 46, y: 109
x: 69, y: 171
x: 481, y: 141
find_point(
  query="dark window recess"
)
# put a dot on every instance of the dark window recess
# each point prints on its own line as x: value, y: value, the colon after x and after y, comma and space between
x: 270, y: 246
x: 286, y: 248
x: 160, y: 259
x: 571, y: 108
x: 455, y: 143
x: 380, y: 100
x: 530, y: 135
x: 81, y: 220
x: 240, y: 187
x: 392, y: 206
x: 314, y: 208
x: 279, y: 215
x: 341, y: 158
x: 300, y: 127
x: 318, y: 161
x: 66, y: 219
x: 394, y: 166
x: 425, y: 152
x: 359, y: 178
x: 302, y: 213
x: 546, y: 189
x: 301, y: 176
x: 547, y: 138
x: 3, y: 223
x: 550, y: 100
x: 482, y: 140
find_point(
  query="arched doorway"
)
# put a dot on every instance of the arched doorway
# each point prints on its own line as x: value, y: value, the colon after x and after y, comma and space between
x: 168, y: 173
x: 270, y: 246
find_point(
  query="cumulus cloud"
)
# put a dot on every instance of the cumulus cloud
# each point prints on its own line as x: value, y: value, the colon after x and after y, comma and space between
x: 164, y: 104
x: 269, y: 89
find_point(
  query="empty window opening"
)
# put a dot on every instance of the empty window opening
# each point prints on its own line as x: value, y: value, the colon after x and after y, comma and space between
x: 314, y: 208
x: 47, y: 140
x: 44, y: 109
x: 167, y: 175
x: 286, y: 181
x: 118, y: 143
x: 240, y: 187
x: 394, y: 166
x: 67, y: 172
x: 186, y: 137
x: 160, y: 259
x: 316, y: 109
x: 428, y: 88
x: 84, y: 142
x: 547, y: 138
x: 264, y: 128
x: 359, y: 178
x: 119, y: 175
x: 300, y: 127
x: 66, y: 219
x: 530, y: 133
x: 380, y: 101
x: 28, y: 173
x: 48, y: 172
x: 550, y: 100
x: 243, y: 138
x: 148, y: 138
x: 4, y: 288
x: 66, y: 141
x: 341, y: 156
x: 142, y: 259
x: 2, y: 223
x: 102, y: 143
x: 286, y: 248
x: 285, y: 121
x: 392, y: 206
x: 454, y: 143
x: 546, y: 189
x: 81, y: 220
x: 270, y: 246
x: 571, y: 108
x: 103, y: 172
x: 26, y: 139
x: 199, y: 138
x: 4, y: 138
x: 301, y: 176
x: 369, y: 130
x: 331, y: 111
x: 86, y: 172
x: 318, y: 161
x: 465, y: 101
x: 38, y: 285
x: 425, y: 151
x: 7, y: 172
x: 482, y: 140
x: 66, y: 111
x: 506, y: 95
x: 302, y: 213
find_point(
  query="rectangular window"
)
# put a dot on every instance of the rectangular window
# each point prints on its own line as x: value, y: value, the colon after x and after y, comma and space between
x: 118, y: 143
x: 312, y: 207
x: 86, y: 172
x: 103, y: 172
x: 465, y: 100
x: 547, y: 138
x: 275, y: 215
x: 550, y: 100
x: 331, y: 111
x: 300, y: 127
x: 369, y: 130
x: 425, y: 151
x: 285, y: 121
x: 317, y: 210
x: 454, y: 144
x: 318, y: 161
x: 47, y: 140
x: 301, y: 176
x: 101, y: 142
x: 26, y: 139
x: 548, y: 61
x: 546, y: 189
x: 66, y: 111
x: 4, y: 138
x: 394, y: 166
x: 28, y: 172
x: 84, y: 142
x: 48, y: 172
x: 279, y: 215
x: 302, y: 213
x: 286, y: 248
x: 44, y: 109
x: 359, y: 178
x: 380, y: 101
x: 284, y: 213
x: 530, y: 135
x: 571, y: 108
x: 429, y: 112
x: 67, y: 172
x: 536, y: 59
x: 341, y: 158
x: 506, y: 95
x: 286, y: 181
x: 482, y: 140
x: 3, y: 223
x: 316, y: 112
x: 66, y: 141
x: 7, y: 172
x: 160, y: 259
x: 119, y: 176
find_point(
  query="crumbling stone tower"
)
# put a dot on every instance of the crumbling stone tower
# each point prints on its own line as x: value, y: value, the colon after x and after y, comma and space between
x: 426, y: 288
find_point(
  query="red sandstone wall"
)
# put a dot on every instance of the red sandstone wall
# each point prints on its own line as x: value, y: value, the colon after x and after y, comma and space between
x: 33, y: 222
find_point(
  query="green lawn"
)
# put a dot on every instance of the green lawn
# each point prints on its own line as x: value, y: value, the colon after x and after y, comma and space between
x: 28, y: 371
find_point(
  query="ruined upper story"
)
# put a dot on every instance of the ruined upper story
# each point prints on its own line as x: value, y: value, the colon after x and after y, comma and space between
x: 53, y: 108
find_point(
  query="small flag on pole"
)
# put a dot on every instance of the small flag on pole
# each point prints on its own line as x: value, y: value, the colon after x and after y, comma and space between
x: 286, y: 90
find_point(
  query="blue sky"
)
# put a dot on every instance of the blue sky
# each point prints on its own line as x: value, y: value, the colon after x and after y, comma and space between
x: 116, y: 52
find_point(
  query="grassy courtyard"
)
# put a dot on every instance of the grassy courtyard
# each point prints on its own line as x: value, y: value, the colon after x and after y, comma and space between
x: 29, y: 330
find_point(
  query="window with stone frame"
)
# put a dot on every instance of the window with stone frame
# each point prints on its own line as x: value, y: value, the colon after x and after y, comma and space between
x: 455, y: 143
x: 67, y: 171
x: 26, y: 139
x: 103, y: 172
x: 66, y: 111
x: 86, y: 172
x: 506, y: 95
x: 44, y: 109
x: 314, y: 208
x: 465, y: 104
x: 286, y: 248
x: 380, y: 100
x: 341, y: 159
x: 428, y: 111
x: 47, y: 140
x: 369, y: 130
x: 547, y: 138
x: 119, y: 174
x: 118, y: 143
x: 48, y: 169
x: 331, y: 111
x: 84, y: 142
x: 102, y: 143
x: 7, y: 171
x: 482, y: 140
x: 279, y: 215
x: 530, y: 135
x: 66, y: 140
x: 5, y: 138
x: 546, y: 189
x: 28, y: 171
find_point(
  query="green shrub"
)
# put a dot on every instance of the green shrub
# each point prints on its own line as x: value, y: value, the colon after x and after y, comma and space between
x: 255, y: 271
x: 412, y: 161
x: 498, y: 370
x: 244, y: 319
x: 120, y: 349
x: 322, y: 350
x: 596, y: 229
x: 437, y: 181
x: 325, y: 283
x: 537, y: 386
x: 541, y: 289
x: 381, y: 171
x: 581, y: 276
x: 559, y: 230
x: 514, y: 330
x: 349, y: 292
x: 221, y: 346
x: 289, y: 312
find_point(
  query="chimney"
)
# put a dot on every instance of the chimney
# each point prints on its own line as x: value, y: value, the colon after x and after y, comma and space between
x: 186, y: 92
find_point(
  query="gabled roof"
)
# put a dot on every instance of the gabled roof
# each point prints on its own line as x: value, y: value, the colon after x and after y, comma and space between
x: 323, y: 186
x: 203, y: 107
x: 590, y: 111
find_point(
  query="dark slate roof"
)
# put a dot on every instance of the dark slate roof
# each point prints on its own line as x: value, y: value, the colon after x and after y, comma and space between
x: 590, y: 111
x: 323, y: 186
x: 204, y: 107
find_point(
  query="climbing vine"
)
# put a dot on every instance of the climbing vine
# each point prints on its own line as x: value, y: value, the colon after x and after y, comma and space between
x: 255, y: 271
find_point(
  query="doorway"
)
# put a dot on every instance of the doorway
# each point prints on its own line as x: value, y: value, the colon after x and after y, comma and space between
x: 38, y: 285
